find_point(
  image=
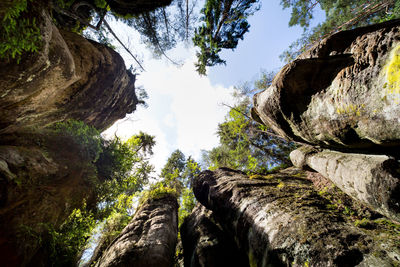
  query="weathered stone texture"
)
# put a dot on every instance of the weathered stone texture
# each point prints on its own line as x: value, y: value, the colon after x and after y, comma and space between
x: 343, y: 93
x: 206, y: 244
x: 149, y: 239
x: 280, y: 220
x: 70, y: 78
x: 372, y: 179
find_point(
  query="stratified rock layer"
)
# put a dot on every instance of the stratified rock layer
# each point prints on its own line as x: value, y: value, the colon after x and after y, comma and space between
x: 149, y: 240
x: 280, y: 220
x: 70, y: 78
x: 372, y: 179
x: 343, y: 93
x: 206, y: 244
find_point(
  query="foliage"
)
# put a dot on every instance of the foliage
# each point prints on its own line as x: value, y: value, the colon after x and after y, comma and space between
x: 65, y: 243
x: 19, y: 33
x: 224, y: 24
x: 157, y: 191
x: 340, y: 15
x: 178, y: 174
x: 123, y: 169
x: 244, y: 143
x: 86, y: 137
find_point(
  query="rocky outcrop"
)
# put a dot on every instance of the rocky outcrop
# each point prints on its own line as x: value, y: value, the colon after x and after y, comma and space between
x: 70, y: 78
x: 206, y: 244
x: 40, y: 185
x: 372, y: 179
x: 149, y: 239
x: 343, y: 93
x: 280, y: 220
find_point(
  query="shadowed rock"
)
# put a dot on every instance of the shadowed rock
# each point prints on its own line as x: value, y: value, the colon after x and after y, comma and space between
x: 149, y: 240
x: 372, y: 179
x: 206, y: 244
x: 40, y: 185
x: 280, y: 220
x: 343, y: 93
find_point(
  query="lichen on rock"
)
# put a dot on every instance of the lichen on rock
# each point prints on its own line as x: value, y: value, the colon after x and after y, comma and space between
x: 290, y: 224
x: 339, y: 94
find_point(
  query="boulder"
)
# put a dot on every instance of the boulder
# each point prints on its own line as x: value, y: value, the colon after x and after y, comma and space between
x: 70, y: 78
x: 372, y: 179
x: 206, y: 244
x: 341, y: 94
x: 280, y: 220
x: 149, y: 239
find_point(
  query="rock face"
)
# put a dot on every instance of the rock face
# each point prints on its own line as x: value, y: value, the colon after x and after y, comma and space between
x: 343, y: 93
x: 280, y: 220
x: 372, y: 179
x: 206, y: 244
x: 40, y: 185
x: 149, y: 239
x: 71, y: 78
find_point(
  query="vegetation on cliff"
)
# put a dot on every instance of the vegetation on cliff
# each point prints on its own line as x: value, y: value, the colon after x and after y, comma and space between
x: 245, y: 144
x: 120, y: 170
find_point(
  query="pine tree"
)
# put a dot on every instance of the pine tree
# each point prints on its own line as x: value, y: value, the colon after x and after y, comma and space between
x: 224, y: 24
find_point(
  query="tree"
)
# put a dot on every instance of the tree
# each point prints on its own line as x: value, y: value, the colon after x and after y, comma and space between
x: 178, y: 174
x: 244, y: 143
x: 340, y: 15
x: 224, y: 24
x: 123, y: 168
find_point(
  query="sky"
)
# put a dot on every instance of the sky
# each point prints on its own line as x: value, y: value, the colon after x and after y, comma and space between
x: 184, y: 109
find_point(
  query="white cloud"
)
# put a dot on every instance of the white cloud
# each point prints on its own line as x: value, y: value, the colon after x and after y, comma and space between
x: 184, y: 110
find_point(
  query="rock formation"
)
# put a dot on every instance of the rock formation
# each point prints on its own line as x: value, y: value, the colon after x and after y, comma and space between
x: 343, y: 93
x: 372, y: 179
x: 205, y: 243
x: 40, y: 185
x: 149, y: 240
x: 43, y: 177
x: 280, y: 220
x: 70, y: 78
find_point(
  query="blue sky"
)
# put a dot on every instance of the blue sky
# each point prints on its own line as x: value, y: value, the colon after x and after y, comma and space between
x: 184, y: 108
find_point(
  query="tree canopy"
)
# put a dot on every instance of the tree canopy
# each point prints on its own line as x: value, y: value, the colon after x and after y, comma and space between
x: 224, y: 23
x: 340, y: 15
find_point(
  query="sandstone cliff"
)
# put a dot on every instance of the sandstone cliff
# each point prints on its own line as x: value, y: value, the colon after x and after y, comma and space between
x: 343, y: 93
x: 281, y: 220
x: 149, y: 239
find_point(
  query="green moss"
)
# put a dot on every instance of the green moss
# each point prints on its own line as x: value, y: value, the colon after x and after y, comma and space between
x: 252, y: 259
x: 156, y: 192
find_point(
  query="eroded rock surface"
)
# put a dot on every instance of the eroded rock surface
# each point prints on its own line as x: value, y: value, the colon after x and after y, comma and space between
x: 40, y: 185
x: 206, y: 244
x: 280, y: 220
x: 343, y: 93
x: 372, y: 179
x: 70, y: 78
x: 149, y: 239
